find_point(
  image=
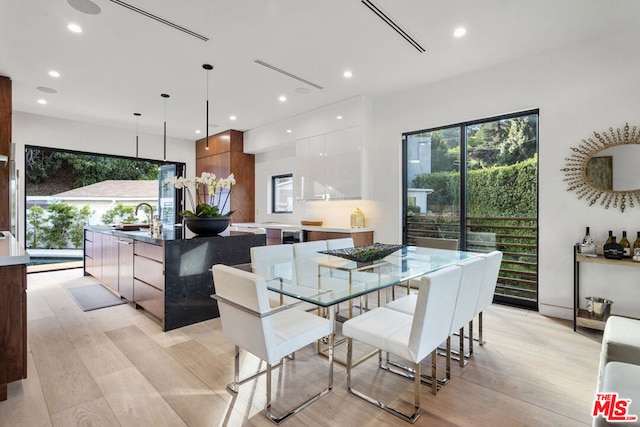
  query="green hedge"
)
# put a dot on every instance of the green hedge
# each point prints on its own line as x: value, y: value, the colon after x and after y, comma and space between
x: 496, y: 191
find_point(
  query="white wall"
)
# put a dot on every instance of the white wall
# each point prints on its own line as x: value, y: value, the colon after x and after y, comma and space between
x: 587, y: 87
x: 33, y: 129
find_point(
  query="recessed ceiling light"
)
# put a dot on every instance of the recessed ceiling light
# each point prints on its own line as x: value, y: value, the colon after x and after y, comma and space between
x: 54, y: 73
x: 85, y: 6
x: 198, y: 131
x: 42, y: 101
x: 282, y: 98
x: 347, y: 74
x: 46, y: 89
x: 289, y: 131
x: 232, y: 117
x: 339, y: 117
x: 74, y: 28
x: 303, y: 90
x: 459, y: 32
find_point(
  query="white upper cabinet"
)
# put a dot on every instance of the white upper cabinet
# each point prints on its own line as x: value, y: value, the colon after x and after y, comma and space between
x: 329, y: 166
x: 352, y: 159
x: 331, y: 155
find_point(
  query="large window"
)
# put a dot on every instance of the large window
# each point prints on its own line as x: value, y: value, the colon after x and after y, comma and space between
x: 478, y: 182
x: 282, y: 193
x: 66, y: 190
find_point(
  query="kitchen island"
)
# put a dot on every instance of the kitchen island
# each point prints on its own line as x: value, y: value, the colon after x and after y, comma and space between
x: 13, y: 311
x: 168, y: 275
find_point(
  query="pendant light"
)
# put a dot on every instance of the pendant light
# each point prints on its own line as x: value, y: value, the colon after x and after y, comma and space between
x: 165, y: 96
x: 207, y: 68
x: 137, y: 126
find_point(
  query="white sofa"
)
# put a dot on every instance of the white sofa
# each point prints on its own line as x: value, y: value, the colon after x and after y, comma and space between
x: 619, y: 372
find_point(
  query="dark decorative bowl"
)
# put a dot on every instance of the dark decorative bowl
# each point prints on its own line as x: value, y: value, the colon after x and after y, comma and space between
x: 207, y: 226
x: 366, y: 253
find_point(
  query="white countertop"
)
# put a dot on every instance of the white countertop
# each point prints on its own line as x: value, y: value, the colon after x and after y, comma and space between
x: 301, y: 227
x: 11, y: 252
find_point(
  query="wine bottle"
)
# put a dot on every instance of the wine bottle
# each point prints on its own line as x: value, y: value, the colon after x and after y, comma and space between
x: 609, y: 240
x: 588, y: 247
x: 626, y: 247
x: 613, y: 250
x: 636, y: 246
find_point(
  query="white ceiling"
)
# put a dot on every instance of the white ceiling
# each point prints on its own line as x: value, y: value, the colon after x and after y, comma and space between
x: 123, y: 61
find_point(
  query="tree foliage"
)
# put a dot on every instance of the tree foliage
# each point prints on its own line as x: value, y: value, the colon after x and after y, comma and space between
x: 120, y: 213
x: 59, y: 226
x: 78, y: 170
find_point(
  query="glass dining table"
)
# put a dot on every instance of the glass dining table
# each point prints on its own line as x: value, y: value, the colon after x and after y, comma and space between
x: 326, y: 281
x: 338, y: 280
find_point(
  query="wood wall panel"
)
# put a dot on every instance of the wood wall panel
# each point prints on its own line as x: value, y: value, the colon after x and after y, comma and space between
x: 5, y: 141
x: 225, y: 156
x: 13, y: 324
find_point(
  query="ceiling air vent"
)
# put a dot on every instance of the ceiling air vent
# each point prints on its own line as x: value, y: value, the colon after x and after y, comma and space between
x: 286, y: 73
x: 397, y: 28
x: 159, y: 19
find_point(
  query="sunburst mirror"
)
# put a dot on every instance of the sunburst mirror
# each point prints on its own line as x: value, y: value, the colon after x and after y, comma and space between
x: 602, y: 169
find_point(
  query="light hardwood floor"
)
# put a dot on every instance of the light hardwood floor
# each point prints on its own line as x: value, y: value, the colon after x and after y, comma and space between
x: 115, y: 366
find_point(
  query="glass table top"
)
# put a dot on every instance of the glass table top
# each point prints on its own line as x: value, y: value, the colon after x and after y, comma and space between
x: 327, y: 280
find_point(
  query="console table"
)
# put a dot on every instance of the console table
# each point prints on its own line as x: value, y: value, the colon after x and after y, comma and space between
x: 581, y: 317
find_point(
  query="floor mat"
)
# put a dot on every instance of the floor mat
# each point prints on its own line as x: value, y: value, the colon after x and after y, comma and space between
x: 93, y: 297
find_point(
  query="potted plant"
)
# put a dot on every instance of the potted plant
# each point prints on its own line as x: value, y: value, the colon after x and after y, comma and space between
x: 208, y: 196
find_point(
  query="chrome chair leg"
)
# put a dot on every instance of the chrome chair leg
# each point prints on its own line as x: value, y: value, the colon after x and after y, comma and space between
x: 409, y: 418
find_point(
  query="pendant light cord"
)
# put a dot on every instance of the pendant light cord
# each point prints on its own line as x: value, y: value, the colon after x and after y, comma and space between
x: 165, y: 96
x: 207, y: 68
x: 137, y: 130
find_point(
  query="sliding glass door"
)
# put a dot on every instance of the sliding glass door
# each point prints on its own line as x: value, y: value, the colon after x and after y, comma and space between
x: 477, y: 182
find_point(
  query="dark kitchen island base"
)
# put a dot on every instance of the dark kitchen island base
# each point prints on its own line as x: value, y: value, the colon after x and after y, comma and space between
x: 188, y: 280
x: 169, y: 276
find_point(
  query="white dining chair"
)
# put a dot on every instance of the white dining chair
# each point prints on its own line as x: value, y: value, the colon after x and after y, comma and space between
x: 433, y: 243
x: 277, y: 261
x: 343, y: 243
x: 487, y: 291
x: 410, y: 337
x: 465, y: 305
x: 465, y: 311
x: 270, y: 334
x: 309, y: 274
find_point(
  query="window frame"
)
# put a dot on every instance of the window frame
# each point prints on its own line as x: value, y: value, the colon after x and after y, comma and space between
x: 274, y: 180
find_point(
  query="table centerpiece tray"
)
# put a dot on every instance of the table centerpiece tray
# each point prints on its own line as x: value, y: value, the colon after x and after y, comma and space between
x: 363, y: 254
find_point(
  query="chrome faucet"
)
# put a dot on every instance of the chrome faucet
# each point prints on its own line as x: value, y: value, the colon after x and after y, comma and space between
x: 150, y: 211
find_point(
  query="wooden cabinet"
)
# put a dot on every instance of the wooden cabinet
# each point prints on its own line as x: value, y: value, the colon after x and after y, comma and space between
x: 5, y: 148
x: 274, y: 236
x: 148, y: 277
x: 13, y: 325
x: 125, y: 268
x: 359, y: 238
x: 93, y: 254
x: 110, y: 261
x: 225, y: 156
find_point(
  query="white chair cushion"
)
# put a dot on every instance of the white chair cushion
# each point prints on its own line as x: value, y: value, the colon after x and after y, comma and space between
x: 294, y: 329
x: 405, y: 304
x: 621, y: 378
x: 386, y: 329
x: 621, y: 340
